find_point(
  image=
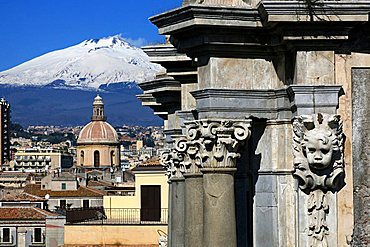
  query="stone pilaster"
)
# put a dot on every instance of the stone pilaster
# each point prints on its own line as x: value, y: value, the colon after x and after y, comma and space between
x: 319, y: 170
x: 214, y: 146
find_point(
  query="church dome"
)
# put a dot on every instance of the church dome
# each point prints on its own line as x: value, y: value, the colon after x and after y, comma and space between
x: 98, y: 131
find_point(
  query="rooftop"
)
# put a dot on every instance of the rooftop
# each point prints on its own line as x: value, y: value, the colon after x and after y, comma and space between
x: 24, y: 213
x: 35, y: 189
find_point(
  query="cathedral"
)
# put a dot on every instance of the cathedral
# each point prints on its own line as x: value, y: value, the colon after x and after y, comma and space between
x: 97, y: 143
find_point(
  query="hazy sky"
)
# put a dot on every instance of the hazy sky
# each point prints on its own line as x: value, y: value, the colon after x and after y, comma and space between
x: 30, y: 28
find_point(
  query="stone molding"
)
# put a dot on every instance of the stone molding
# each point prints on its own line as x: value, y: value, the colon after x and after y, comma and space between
x: 199, y: 29
x: 235, y: 103
x: 318, y: 167
x: 324, y: 10
x: 310, y: 99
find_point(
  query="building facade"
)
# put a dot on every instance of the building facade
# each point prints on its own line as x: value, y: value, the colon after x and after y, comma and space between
x: 265, y: 106
x: 42, y: 159
x: 30, y: 226
x: 98, y: 144
x: 4, y: 132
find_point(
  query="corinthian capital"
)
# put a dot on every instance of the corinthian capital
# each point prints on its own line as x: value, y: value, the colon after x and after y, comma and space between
x: 216, y: 143
x: 173, y: 160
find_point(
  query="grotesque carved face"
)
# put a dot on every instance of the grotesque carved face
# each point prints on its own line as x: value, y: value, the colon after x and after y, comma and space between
x: 319, y: 149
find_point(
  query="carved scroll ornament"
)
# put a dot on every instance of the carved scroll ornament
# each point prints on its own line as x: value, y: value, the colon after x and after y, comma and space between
x: 208, y: 144
x: 216, y: 143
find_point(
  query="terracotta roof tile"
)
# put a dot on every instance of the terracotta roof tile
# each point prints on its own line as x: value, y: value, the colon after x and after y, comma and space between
x: 23, y: 213
x: 35, y: 189
x: 22, y: 197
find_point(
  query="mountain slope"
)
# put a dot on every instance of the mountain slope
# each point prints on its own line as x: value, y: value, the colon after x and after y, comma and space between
x: 87, y: 65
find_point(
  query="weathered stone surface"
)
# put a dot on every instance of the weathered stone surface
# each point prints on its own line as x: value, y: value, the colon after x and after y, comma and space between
x: 238, y: 104
x: 314, y: 99
x: 219, y: 213
x: 177, y: 213
x: 268, y: 47
x: 361, y: 161
x: 226, y: 73
x: 194, y: 210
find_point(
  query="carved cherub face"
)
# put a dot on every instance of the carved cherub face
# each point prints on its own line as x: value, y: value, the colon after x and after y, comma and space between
x: 319, y: 149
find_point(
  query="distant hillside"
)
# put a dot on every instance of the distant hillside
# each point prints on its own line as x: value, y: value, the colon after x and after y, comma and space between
x: 50, y: 106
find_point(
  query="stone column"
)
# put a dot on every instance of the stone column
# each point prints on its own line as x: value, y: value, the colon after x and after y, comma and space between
x: 172, y: 160
x: 178, y: 212
x: 169, y: 226
x: 193, y: 192
x: 193, y: 209
x: 215, y: 147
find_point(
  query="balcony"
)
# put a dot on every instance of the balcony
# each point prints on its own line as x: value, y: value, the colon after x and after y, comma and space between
x: 117, y: 216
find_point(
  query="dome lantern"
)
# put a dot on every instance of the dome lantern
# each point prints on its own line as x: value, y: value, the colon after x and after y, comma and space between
x: 98, y: 109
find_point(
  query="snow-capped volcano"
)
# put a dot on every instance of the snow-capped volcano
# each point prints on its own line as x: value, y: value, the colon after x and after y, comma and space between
x: 86, y: 65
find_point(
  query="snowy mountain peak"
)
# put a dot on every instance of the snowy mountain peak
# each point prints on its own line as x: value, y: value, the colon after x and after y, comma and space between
x: 88, y: 65
x: 108, y: 42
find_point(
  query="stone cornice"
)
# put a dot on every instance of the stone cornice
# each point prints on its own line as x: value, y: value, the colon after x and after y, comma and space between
x: 160, y: 85
x: 271, y: 27
x: 183, y: 18
x: 300, y: 11
x: 163, y: 53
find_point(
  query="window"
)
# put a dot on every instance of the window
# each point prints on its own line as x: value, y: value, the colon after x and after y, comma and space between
x: 85, y: 203
x: 37, y: 235
x: 6, y: 235
x: 64, y: 186
x: 112, y: 157
x: 82, y: 158
x: 62, y: 204
x: 96, y: 159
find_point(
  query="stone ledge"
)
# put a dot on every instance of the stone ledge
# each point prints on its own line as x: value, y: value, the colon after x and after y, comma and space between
x: 240, y: 104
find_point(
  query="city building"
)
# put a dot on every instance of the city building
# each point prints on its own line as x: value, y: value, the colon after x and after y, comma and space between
x: 41, y: 159
x: 136, y: 218
x: 4, y: 133
x: 98, y: 144
x: 19, y: 198
x: 30, y: 226
x: 63, y: 191
x: 266, y: 110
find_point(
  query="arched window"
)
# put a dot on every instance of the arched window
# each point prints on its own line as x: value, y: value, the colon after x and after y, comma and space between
x: 96, y: 158
x: 82, y: 158
x: 112, y: 156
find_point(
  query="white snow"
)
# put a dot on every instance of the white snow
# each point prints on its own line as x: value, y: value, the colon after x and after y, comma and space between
x: 86, y: 65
